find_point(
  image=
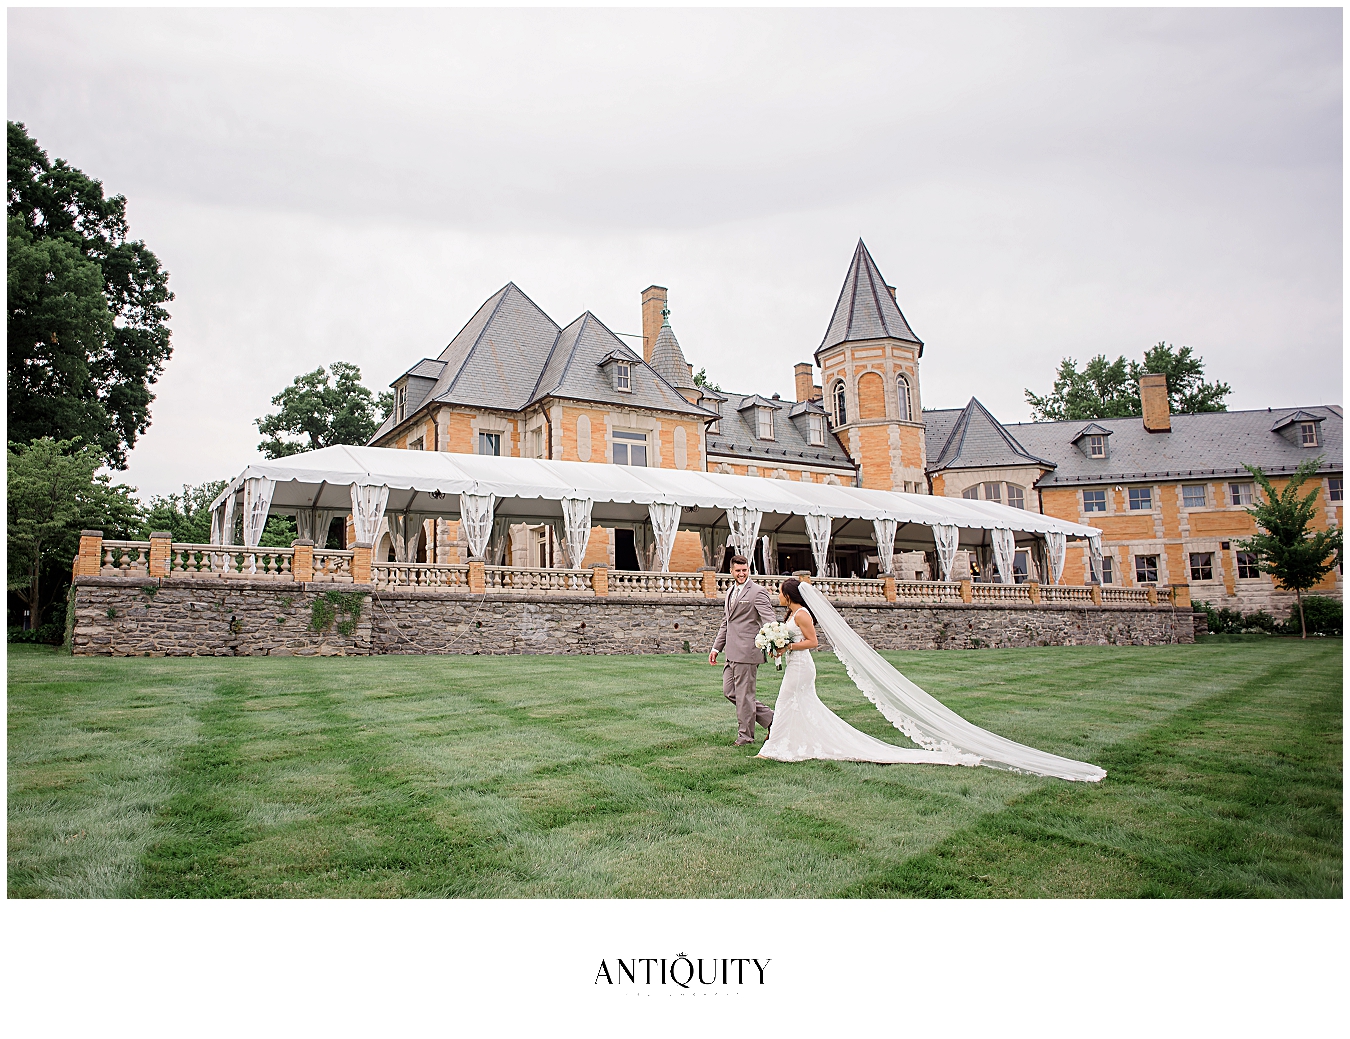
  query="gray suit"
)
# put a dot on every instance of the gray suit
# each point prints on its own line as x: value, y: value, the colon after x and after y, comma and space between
x: 748, y: 609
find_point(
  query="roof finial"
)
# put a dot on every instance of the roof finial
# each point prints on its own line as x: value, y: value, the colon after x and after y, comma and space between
x: 665, y: 314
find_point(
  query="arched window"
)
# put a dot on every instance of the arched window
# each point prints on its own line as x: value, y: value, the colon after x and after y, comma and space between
x: 906, y: 401
x: 840, y: 407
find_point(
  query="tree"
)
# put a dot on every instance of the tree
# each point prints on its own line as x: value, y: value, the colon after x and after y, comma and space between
x: 55, y: 490
x: 342, y: 412
x: 1110, y: 389
x: 87, y: 329
x: 186, y: 516
x: 1286, y: 549
x: 702, y: 379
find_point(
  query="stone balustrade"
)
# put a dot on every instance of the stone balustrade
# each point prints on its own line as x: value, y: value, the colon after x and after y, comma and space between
x: 304, y: 563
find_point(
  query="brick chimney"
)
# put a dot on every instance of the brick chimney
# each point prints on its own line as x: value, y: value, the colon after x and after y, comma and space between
x: 1153, y: 394
x: 802, y: 376
x: 653, y: 302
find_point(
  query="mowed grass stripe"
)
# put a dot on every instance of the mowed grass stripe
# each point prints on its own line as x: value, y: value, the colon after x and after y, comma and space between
x: 1238, y: 794
x: 614, y: 776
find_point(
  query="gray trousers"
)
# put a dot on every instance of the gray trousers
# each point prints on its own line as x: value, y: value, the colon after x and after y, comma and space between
x: 738, y: 686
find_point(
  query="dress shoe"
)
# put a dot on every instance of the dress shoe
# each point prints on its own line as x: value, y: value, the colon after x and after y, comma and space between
x: 742, y: 743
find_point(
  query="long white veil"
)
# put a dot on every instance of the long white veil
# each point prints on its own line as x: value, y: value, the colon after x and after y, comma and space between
x: 922, y: 718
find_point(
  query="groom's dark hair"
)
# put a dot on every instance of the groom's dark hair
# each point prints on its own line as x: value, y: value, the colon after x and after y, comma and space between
x: 739, y: 561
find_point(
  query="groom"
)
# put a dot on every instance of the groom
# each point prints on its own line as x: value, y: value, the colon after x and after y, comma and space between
x: 748, y: 609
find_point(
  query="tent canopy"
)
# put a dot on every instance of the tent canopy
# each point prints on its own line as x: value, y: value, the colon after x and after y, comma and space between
x: 430, y: 483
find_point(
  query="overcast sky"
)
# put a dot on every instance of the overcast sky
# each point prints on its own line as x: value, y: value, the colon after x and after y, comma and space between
x: 328, y: 186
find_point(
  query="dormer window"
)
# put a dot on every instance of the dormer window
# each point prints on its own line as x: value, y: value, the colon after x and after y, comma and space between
x: 765, y: 423
x: 401, y: 403
x: 815, y: 430
x: 623, y: 377
x: 713, y: 404
x: 1096, y: 445
x: 1307, y: 434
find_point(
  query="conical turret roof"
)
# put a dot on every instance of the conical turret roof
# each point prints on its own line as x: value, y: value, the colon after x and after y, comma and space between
x: 866, y: 309
x: 668, y: 359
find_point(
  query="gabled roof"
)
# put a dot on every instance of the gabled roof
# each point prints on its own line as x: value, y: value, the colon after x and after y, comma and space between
x: 865, y: 309
x: 426, y: 368
x: 1091, y: 429
x: 805, y: 407
x: 1297, y: 416
x: 495, y: 360
x: 977, y: 440
x: 573, y: 371
x: 756, y: 401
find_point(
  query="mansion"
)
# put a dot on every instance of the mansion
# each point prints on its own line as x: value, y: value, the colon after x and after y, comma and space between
x: 1168, y: 491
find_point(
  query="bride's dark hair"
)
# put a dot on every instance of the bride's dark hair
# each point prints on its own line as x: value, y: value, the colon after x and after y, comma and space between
x: 792, y: 588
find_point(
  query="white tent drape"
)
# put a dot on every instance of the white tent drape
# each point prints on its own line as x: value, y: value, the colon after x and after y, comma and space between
x: 404, y: 530
x: 945, y: 536
x: 475, y: 521
x: 1056, y: 544
x: 1004, y: 547
x: 665, y: 524
x: 576, y: 529
x: 1095, y: 557
x: 818, y: 530
x: 257, y: 500
x: 884, y: 529
x: 368, y: 502
x: 313, y: 524
x: 744, y: 529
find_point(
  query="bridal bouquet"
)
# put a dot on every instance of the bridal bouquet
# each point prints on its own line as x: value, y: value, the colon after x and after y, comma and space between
x: 774, y: 637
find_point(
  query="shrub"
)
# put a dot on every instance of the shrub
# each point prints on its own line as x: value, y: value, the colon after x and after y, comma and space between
x: 1323, y: 616
x: 50, y: 634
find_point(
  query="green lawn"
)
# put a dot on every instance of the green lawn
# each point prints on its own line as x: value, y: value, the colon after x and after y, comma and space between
x: 615, y: 776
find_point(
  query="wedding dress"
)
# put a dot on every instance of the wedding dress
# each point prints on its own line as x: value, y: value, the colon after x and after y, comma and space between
x: 804, y: 728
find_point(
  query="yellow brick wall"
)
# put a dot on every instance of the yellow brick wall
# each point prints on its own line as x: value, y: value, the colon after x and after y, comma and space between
x: 875, y: 456
x: 871, y: 396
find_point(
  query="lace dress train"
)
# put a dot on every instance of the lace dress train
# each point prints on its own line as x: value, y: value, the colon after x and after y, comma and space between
x: 805, y: 729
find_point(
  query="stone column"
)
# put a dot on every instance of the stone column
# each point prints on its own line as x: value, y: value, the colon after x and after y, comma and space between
x: 302, y: 563
x: 477, y: 577
x: 966, y: 594
x: 1096, y: 593
x: 600, y: 579
x: 890, y: 588
x: 1181, y: 596
x: 709, y: 576
x: 360, y: 562
x: 1153, y: 594
x: 161, y: 549
x: 90, y: 560
x: 1034, y: 590
x: 804, y: 576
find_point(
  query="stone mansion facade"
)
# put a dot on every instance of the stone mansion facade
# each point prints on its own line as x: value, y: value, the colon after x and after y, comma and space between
x: 1169, y: 491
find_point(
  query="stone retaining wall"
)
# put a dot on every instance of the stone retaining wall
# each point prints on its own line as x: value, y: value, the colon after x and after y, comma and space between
x: 222, y: 617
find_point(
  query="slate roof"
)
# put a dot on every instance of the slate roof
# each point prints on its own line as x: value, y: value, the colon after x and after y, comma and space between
x: 668, y: 359
x: 973, y: 439
x: 738, y: 437
x: 865, y: 309
x: 1210, y: 444
x: 573, y: 371
x: 496, y: 359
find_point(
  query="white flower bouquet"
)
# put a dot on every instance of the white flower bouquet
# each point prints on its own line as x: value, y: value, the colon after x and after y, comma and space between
x: 774, y: 637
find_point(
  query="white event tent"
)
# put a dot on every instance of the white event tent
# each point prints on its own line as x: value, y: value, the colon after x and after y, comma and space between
x: 486, y: 493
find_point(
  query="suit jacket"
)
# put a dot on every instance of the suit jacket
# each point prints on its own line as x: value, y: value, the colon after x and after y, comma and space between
x: 741, y: 623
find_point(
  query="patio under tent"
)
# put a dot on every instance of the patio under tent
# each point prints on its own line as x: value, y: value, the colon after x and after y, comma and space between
x: 487, y: 494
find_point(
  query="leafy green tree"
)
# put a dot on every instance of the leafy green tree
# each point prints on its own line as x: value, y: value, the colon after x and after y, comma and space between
x: 186, y: 516
x: 1287, y: 550
x: 86, y: 326
x: 1110, y: 389
x: 702, y: 379
x: 55, y: 490
x: 326, y: 413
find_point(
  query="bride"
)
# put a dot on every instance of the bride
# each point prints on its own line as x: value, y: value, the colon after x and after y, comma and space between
x: 804, y: 728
